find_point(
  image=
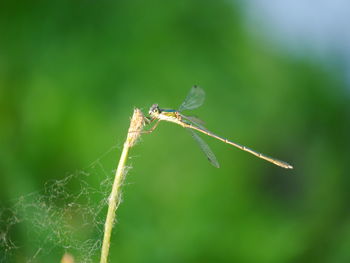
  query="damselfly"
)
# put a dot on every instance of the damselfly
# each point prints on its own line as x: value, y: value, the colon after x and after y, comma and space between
x: 195, y: 99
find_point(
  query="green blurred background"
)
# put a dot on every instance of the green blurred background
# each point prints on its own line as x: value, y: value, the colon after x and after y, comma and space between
x: 71, y: 73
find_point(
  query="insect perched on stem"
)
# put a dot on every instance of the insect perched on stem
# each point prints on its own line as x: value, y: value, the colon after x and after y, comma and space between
x: 195, y: 99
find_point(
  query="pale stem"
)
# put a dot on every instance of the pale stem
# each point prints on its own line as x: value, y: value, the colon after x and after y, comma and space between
x: 136, y: 125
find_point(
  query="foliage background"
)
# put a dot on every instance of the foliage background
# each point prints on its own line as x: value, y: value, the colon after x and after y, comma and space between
x: 71, y: 74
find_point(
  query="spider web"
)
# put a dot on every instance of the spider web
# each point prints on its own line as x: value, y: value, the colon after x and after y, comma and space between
x: 64, y: 217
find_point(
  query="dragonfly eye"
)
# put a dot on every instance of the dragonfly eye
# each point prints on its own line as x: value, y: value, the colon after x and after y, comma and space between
x: 154, y: 109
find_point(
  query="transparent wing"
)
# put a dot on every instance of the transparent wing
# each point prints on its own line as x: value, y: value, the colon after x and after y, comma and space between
x: 205, y: 148
x: 196, y: 121
x: 194, y: 99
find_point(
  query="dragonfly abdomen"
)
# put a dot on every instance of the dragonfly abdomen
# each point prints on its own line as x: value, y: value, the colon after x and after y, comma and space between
x: 244, y: 148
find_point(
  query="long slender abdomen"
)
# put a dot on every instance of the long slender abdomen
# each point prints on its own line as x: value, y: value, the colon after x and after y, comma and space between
x: 244, y: 148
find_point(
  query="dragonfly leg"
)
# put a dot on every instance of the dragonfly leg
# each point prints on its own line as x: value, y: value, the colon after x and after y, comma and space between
x: 153, y: 128
x: 149, y: 120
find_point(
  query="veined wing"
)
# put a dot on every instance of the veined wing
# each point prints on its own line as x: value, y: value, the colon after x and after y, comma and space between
x: 196, y: 121
x: 194, y: 99
x: 205, y: 148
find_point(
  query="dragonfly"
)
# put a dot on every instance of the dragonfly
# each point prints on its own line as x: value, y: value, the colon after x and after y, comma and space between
x: 195, y: 99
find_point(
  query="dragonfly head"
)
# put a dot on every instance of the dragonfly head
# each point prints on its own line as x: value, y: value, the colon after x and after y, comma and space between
x: 154, y: 110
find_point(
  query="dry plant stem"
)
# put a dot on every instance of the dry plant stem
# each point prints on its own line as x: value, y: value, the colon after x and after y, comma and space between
x: 136, y: 125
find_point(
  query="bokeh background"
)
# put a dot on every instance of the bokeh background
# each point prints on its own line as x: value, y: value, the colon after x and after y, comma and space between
x: 71, y: 73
